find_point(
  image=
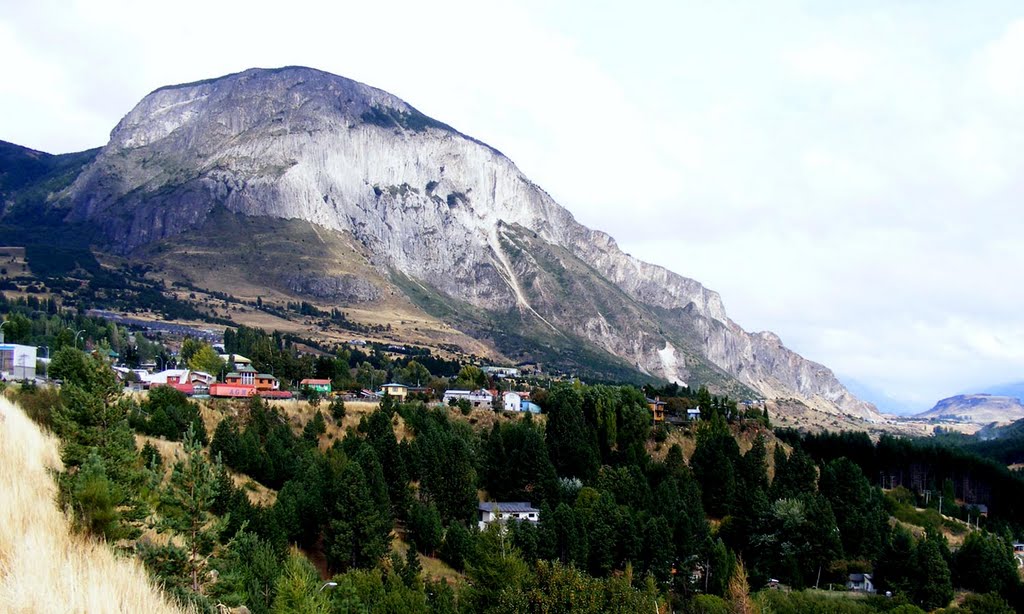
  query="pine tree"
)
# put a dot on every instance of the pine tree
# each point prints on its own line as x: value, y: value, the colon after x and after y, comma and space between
x: 188, y: 502
x: 934, y: 588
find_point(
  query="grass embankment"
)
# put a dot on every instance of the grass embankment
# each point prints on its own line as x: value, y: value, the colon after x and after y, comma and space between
x: 44, y: 567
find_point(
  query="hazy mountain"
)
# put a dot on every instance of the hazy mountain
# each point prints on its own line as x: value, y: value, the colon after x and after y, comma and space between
x: 411, y: 207
x: 976, y: 408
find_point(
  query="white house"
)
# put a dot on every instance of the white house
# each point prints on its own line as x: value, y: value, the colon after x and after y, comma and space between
x: 860, y: 582
x: 476, y: 398
x: 495, y: 511
x: 17, y: 361
x: 179, y: 376
x: 693, y: 414
x: 513, y: 401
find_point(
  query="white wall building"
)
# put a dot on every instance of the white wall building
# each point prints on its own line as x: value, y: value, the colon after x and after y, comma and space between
x: 477, y: 398
x: 17, y: 362
x: 493, y: 511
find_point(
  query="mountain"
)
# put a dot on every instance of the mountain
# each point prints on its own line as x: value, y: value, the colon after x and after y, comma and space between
x: 397, y: 206
x: 976, y: 408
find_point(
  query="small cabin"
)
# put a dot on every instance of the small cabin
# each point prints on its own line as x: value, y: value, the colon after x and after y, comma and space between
x: 502, y: 512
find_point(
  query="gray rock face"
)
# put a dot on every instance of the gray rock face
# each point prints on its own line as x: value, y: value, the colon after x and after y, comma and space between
x: 343, y: 288
x: 426, y: 201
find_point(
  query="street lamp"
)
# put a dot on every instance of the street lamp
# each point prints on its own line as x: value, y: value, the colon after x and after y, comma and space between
x: 328, y: 585
x: 2, y: 325
x: 76, y: 339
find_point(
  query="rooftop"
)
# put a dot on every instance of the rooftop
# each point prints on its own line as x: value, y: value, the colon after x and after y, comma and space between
x: 507, y: 507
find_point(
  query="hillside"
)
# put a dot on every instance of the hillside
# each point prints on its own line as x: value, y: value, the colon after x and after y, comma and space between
x: 43, y: 566
x: 976, y: 408
x: 431, y: 222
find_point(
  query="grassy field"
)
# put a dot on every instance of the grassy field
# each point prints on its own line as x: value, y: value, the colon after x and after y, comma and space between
x: 44, y: 567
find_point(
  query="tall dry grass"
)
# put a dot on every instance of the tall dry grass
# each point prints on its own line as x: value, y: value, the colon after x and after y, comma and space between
x: 44, y: 567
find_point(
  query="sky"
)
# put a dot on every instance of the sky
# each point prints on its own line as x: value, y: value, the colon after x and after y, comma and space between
x: 845, y: 174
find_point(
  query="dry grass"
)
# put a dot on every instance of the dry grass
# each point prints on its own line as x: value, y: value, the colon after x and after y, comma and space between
x: 433, y: 568
x: 44, y: 567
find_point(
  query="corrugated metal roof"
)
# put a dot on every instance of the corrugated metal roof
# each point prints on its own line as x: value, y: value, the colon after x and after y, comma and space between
x: 507, y: 507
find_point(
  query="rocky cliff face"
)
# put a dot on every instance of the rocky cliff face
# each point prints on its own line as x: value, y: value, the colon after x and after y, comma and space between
x: 431, y: 205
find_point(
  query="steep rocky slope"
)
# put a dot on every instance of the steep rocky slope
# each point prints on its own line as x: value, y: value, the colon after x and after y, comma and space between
x: 446, y: 219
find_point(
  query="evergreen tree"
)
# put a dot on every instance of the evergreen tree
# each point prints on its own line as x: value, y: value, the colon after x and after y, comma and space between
x: 985, y: 564
x: 358, y: 534
x: 895, y: 568
x: 457, y: 546
x: 297, y: 590
x: 571, y: 442
x: 314, y: 429
x: 425, y: 527
x: 187, y: 505
x: 859, y: 508
x: 714, y: 465
x: 794, y: 476
x: 934, y: 588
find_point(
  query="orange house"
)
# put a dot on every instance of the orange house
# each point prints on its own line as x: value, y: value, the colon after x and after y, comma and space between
x: 657, y: 407
x: 247, y: 376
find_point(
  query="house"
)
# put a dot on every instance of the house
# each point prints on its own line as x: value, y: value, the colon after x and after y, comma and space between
x: 982, y: 509
x: 860, y: 582
x: 476, y: 398
x: 693, y: 414
x: 1018, y: 548
x: 511, y: 401
x: 17, y: 361
x: 501, y: 371
x: 247, y: 376
x: 187, y: 381
x: 514, y: 401
x: 323, y: 386
x: 493, y: 511
x: 399, y: 391
x: 657, y: 407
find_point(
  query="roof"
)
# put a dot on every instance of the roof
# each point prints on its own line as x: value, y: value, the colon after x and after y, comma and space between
x: 656, y: 402
x: 238, y: 358
x: 507, y: 507
x: 394, y: 386
x: 859, y: 577
x: 309, y: 381
x: 265, y: 375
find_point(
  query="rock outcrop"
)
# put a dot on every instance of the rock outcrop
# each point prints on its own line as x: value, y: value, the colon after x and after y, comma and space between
x: 431, y: 205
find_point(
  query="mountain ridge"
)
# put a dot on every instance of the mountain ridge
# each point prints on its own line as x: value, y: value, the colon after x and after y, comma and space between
x: 976, y: 408
x: 445, y: 210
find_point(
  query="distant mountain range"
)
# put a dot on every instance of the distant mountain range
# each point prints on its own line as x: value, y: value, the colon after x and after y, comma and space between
x: 302, y: 185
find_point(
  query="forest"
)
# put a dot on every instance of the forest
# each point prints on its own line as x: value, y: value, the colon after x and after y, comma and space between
x: 724, y: 515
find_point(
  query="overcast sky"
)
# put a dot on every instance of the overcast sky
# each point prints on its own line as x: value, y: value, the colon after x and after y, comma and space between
x: 846, y: 174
